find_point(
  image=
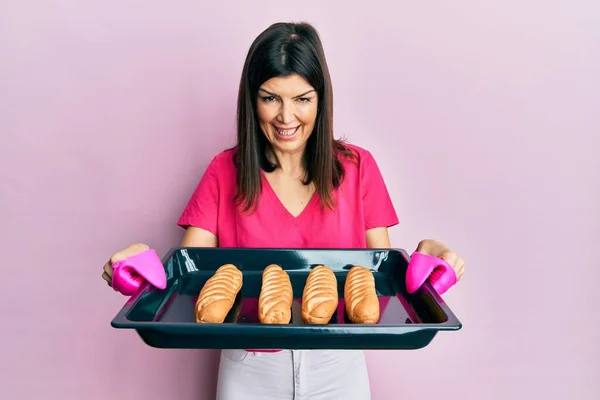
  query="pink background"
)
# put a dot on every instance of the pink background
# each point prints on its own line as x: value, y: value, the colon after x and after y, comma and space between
x: 483, y: 118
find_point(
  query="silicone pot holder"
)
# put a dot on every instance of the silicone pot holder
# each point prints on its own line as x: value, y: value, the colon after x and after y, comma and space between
x: 129, y: 274
x: 423, y: 267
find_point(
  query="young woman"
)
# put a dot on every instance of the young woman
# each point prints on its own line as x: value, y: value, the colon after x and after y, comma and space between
x: 288, y: 183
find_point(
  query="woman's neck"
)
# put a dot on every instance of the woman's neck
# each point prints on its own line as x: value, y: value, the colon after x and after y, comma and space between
x: 288, y: 164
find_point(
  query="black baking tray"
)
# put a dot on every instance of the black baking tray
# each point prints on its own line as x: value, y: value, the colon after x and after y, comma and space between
x: 165, y: 318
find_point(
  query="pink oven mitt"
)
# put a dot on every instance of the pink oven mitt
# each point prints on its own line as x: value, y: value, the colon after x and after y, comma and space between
x: 423, y: 267
x: 129, y: 274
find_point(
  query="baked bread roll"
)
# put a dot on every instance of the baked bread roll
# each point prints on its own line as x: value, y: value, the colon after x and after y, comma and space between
x: 362, y: 304
x: 276, y: 296
x: 320, y: 296
x: 218, y: 294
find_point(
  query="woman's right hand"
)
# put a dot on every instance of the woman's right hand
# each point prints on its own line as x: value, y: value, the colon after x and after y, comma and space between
x: 107, y: 270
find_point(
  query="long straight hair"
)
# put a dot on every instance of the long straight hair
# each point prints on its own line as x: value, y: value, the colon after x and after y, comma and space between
x: 281, y: 50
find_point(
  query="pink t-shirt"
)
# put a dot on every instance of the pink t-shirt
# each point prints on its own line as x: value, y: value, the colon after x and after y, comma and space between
x: 363, y: 202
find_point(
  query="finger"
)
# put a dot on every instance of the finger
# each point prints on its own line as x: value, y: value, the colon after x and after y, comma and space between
x: 123, y: 255
x: 459, y: 268
x: 107, y: 278
x: 450, y: 257
x: 120, y: 256
x: 108, y: 269
x: 130, y: 251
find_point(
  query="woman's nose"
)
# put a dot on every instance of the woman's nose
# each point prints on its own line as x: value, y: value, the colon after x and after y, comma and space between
x: 286, y: 113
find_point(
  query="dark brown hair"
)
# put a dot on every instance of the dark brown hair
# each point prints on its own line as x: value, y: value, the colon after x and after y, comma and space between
x: 281, y: 50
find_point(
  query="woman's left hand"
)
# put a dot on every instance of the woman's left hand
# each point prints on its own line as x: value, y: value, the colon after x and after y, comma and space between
x: 438, y: 249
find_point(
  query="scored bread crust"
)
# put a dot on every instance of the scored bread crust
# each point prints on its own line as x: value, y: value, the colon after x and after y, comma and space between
x: 320, y: 296
x: 218, y: 294
x: 276, y: 296
x: 360, y: 297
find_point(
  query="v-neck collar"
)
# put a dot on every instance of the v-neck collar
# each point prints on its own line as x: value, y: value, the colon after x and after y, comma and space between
x: 281, y: 207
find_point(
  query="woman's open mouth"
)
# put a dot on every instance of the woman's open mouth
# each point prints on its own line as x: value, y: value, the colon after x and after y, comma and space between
x: 286, y: 134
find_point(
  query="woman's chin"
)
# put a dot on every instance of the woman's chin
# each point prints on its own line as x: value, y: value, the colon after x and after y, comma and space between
x: 289, y: 147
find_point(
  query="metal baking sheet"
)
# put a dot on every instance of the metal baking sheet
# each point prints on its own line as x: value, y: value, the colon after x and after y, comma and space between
x: 165, y: 318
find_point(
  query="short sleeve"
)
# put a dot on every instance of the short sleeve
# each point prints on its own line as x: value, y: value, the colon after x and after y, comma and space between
x: 377, y: 204
x: 202, y: 210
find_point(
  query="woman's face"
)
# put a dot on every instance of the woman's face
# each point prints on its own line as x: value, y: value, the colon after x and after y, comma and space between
x: 287, y: 111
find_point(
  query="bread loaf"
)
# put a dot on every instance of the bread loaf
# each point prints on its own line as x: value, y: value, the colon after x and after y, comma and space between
x: 360, y: 297
x: 276, y: 296
x: 320, y: 296
x: 218, y: 294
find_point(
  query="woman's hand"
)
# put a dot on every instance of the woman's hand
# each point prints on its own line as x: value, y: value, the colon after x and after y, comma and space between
x: 134, y: 249
x: 194, y: 237
x: 438, y: 249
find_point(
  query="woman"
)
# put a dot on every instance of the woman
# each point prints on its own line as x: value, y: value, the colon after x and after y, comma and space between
x: 289, y: 183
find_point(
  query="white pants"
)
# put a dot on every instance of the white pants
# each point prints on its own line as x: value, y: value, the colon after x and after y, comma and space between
x: 293, y: 375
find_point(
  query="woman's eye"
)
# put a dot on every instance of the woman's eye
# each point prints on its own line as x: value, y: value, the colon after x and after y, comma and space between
x: 304, y: 100
x: 267, y: 99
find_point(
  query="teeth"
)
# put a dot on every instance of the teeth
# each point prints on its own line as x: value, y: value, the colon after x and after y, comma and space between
x: 287, y: 132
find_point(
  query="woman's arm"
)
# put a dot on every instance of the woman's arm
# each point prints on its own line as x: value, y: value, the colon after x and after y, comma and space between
x: 198, y: 237
x: 378, y: 238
